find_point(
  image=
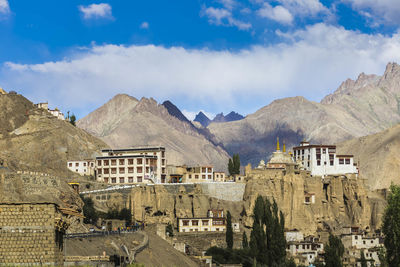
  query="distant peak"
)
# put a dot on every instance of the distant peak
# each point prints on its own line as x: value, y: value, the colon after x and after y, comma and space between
x: 391, y: 69
x: 124, y: 96
x: 202, y: 119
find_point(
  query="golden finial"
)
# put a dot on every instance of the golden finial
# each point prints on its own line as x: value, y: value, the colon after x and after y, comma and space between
x: 277, y: 144
x: 284, y: 147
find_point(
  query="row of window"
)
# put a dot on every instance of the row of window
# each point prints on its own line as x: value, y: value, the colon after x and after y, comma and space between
x: 127, y: 170
x: 205, y: 230
x: 77, y: 164
x: 194, y: 222
x: 122, y: 180
x: 139, y: 161
x: 196, y: 176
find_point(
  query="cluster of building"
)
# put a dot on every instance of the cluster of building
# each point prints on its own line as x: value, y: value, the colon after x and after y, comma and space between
x: 319, y: 160
x: 308, y: 250
x: 55, y: 112
x: 142, y: 165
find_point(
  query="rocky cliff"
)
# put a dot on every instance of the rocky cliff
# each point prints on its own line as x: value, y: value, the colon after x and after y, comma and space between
x: 125, y: 122
x: 357, y: 108
x: 339, y: 201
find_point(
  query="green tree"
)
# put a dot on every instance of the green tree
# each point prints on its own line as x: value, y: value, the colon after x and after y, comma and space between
x: 245, y: 242
x: 229, y: 231
x: 72, y: 119
x: 333, y: 252
x: 169, y: 229
x: 91, y: 215
x: 125, y: 214
x: 363, y: 260
x: 391, y: 227
x: 236, y: 164
x: 230, y: 167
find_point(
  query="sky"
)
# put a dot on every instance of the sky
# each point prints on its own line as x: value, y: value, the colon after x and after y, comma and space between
x: 214, y: 55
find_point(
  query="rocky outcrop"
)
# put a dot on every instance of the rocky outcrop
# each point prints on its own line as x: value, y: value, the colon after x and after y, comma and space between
x: 31, y: 139
x: 125, y: 122
x: 339, y: 201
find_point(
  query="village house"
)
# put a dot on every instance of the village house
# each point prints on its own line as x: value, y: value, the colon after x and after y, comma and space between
x: 322, y: 160
x: 199, y: 174
x: 55, y: 112
x: 132, y: 165
x: 219, y: 176
x: 82, y: 167
x: 214, y: 222
x: 304, y: 250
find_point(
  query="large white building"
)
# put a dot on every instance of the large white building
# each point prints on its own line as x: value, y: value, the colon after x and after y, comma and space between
x: 214, y: 222
x: 322, y: 160
x: 132, y: 165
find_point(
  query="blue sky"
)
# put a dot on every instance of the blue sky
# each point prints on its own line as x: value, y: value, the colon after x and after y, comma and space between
x: 215, y: 56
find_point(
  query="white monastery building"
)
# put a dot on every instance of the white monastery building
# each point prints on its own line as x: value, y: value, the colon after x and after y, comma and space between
x: 82, y: 167
x: 214, y: 222
x: 321, y: 160
x: 55, y: 112
x: 132, y: 165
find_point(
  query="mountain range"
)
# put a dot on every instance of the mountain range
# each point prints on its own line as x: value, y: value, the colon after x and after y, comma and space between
x: 125, y: 121
x: 365, y: 106
x: 220, y: 117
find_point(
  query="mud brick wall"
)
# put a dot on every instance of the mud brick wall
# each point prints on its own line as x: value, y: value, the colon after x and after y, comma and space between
x: 28, y: 234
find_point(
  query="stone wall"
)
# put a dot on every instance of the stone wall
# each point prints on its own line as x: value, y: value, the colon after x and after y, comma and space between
x: 224, y: 191
x: 28, y: 234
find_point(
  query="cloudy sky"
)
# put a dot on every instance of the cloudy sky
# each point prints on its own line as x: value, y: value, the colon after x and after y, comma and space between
x: 216, y: 55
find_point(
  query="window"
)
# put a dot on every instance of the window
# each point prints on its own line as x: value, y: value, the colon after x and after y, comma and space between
x: 99, y: 162
x: 308, y: 164
x: 163, y: 154
x: 91, y: 164
x: 106, y: 180
x: 307, y: 200
x: 318, y: 156
x: 139, y: 169
x: 190, y: 176
x: 163, y: 162
x: 185, y: 222
x: 206, y: 229
x: 331, y: 157
x: 203, y: 169
x: 324, y: 151
x: 106, y: 171
x: 139, y: 179
x: 113, y: 180
x: 196, y: 176
x: 147, y: 161
x: 121, y: 180
x: 76, y: 170
x: 113, y: 170
x: 217, y: 175
x: 113, y: 162
x: 217, y: 229
x: 121, y: 162
x: 130, y: 161
x: 130, y: 170
x: 203, y: 176
x: 331, y: 162
x: 209, y: 176
x: 347, y: 161
x: 308, y: 157
x: 356, y: 237
x: 318, y: 163
x: 106, y: 162
x: 77, y: 164
x: 162, y: 170
x: 204, y: 222
x: 99, y: 171
x: 195, y: 222
x: 130, y: 179
x: 318, y: 150
x: 341, y: 161
x: 147, y: 169
x: 70, y: 164
x: 139, y: 161
x: 122, y: 170
x: 209, y: 170
x: 84, y: 164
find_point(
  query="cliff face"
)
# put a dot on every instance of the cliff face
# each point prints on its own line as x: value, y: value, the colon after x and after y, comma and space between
x: 339, y: 201
x: 125, y: 122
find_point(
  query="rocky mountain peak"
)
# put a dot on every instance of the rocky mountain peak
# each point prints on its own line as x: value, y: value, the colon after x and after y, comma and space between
x: 202, y: 119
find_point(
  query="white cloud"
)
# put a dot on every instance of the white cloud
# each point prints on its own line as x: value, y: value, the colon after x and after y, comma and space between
x: 4, y: 7
x: 304, y: 7
x: 383, y: 11
x: 96, y: 11
x: 144, y: 25
x: 277, y: 13
x: 222, y: 16
x: 229, y: 4
x: 312, y: 63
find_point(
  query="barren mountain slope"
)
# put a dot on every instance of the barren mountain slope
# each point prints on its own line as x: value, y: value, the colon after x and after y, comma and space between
x: 378, y: 156
x: 358, y: 108
x: 148, y: 123
x: 32, y: 139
